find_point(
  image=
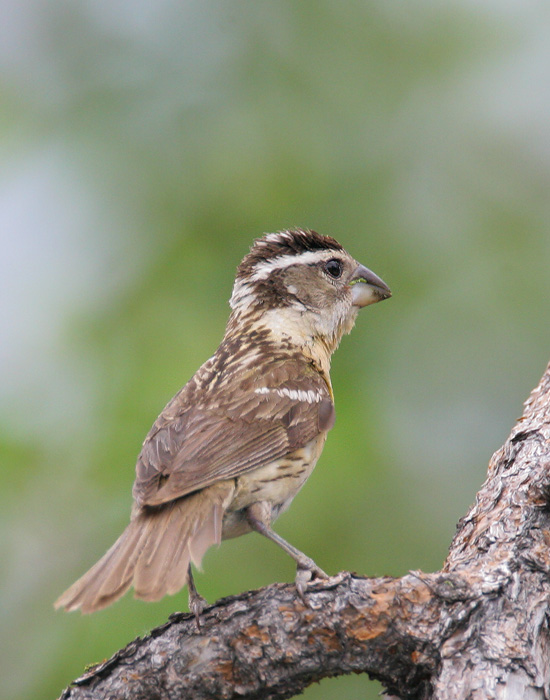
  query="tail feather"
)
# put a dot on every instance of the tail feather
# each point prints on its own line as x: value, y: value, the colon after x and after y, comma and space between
x: 176, y: 575
x: 209, y: 533
x: 119, y: 574
x: 159, y: 553
x: 154, y: 551
x: 85, y: 593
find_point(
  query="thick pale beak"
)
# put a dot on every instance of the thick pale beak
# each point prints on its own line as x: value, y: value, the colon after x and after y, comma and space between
x: 367, y: 288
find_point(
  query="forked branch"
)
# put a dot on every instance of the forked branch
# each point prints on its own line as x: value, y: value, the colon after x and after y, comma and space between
x: 476, y: 629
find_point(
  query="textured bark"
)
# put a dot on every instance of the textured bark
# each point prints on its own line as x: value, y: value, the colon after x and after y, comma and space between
x: 478, y: 629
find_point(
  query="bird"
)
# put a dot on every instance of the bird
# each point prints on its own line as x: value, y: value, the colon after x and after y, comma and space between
x: 234, y: 446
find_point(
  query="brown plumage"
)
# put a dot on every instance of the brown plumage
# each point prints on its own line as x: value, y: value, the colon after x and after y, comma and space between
x: 233, y: 447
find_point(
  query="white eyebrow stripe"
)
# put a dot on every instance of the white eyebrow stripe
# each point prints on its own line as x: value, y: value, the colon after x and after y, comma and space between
x: 263, y: 269
x: 309, y: 396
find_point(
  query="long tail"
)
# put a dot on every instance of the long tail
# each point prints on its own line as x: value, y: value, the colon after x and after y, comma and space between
x: 154, y: 552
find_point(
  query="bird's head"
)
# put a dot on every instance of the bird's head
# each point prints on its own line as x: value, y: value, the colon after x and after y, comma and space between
x: 304, y: 287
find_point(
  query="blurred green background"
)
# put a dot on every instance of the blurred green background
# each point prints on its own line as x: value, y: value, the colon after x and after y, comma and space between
x: 143, y: 146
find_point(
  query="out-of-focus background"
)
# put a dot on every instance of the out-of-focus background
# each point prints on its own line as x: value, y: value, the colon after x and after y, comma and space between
x: 143, y: 146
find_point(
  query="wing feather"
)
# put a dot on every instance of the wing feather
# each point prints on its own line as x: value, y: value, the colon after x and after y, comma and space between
x: 221, y: 434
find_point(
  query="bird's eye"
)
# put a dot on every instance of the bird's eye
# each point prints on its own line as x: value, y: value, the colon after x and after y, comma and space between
x: 334, y: 268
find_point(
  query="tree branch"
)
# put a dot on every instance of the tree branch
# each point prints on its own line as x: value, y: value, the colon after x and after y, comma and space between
x: 477, y: 629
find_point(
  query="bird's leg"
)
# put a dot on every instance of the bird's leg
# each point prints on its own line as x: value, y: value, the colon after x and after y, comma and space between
x: 259, y: 518
x: 196, y: 602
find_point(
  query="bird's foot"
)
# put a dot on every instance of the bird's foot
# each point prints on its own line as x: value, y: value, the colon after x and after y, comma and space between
x: 306, y: 571
x: 197, y: 604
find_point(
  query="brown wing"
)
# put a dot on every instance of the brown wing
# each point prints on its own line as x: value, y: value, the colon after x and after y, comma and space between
x: 205, y: 435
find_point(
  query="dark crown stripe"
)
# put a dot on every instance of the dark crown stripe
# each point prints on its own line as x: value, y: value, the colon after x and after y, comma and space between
x: 285, y: 243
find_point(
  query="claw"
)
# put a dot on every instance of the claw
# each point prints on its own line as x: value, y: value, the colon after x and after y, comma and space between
x: 259, y: 518
x: 197, y: 604
x: 303, y: 577
x: 306, y: 571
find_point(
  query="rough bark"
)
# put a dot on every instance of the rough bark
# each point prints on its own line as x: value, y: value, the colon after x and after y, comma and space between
x: 478, y: 629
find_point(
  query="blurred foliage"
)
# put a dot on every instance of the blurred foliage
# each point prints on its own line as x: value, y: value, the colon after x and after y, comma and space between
x: 143, y: 147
